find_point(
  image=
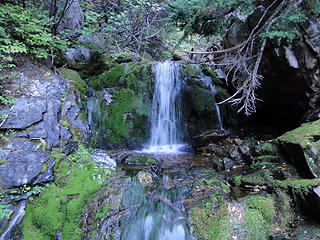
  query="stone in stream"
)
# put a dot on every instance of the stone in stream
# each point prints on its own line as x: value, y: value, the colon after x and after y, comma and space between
x: 102, y: 159
x: 145, y: 178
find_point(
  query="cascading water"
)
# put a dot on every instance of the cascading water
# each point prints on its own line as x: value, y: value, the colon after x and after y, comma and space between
x: 208, y: 82
x: 166, y: 130
x: 159, y: 216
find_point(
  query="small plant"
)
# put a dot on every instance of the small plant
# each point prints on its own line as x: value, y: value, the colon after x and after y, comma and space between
x: 4, y: 212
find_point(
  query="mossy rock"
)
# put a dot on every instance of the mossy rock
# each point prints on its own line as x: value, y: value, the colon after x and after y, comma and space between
x: 259, y: 216
x: 190, y: 71
x: 267, y: 149
x: 116, y: 121
x: 60, y: 207
x: 75, y: 80
x: 302, y: 146
x: 216, y: 81
x: 108, y: 79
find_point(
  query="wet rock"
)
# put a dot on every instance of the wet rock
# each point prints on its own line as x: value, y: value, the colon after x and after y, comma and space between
x: 213, y: 136
x: 51, y: 121
x: 14, y: 222
x: 26, y: 112
x: 101, y: 158
x: 228, y: 163
x: 21, y: 168
x: 145, y: 178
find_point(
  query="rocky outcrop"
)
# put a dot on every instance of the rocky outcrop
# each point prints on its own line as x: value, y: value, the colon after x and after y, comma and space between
x: 43, y: 121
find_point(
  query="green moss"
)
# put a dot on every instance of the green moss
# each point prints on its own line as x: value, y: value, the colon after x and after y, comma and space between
x: 222, y: 94
x: 304, y: 135
x: 3, y: 161
x: 59, y: 208
x: 262, y: 177
x: 211, y: 181
x: 75, y: 79
x: 262, y: 164
x: 65, y: 123
x: 259, y: 216
x: 44, y: 167
x: 225, y: 186
x: 116, y: 121
x: 144, y: 160
x: 284, y: 209
x: 96, y: 83
x: 300, y: 186
x: 211, y: 224
x: 267, y: 149
x: 237, y: 180
x: 202, y: 99
x: 103, y: 211
x: 191, y: 70
x: 211, y: 73
x: 111, y: 78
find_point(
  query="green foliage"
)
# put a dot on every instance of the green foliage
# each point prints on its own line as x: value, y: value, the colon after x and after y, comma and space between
x: 207, y: 17
x: 4, y: 212
x: 25, y: 31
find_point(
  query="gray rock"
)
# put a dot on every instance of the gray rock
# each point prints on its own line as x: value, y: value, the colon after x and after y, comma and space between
x: 72, y: 19
x: 77, y: 55
x: 51, y: 121
x: 37, y: 131
x: 21, y: 144
x: 22, y: 167
x: 228, y: 163
x: 15, y: 221
x: 26, y: 112
x: 47, y: 175
x: 65, y: 133
x: 102, y: 159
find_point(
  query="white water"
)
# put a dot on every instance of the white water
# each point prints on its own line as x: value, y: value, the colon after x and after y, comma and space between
x: 166, y: 130
x: 208, y: 82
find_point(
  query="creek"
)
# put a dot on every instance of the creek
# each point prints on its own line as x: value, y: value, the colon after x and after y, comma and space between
x: 159, y: 213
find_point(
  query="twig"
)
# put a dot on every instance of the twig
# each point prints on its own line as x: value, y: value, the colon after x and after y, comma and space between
x: 6, y: 117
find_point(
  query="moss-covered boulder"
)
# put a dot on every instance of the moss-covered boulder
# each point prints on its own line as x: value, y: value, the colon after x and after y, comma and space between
x: 76, y: 82
x: 198, y: 108
x: 302, y: 147
x: 123, y: 120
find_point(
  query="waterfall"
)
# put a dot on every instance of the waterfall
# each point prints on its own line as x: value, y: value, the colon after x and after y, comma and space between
x: 166, y: 130
x: 208, y: 82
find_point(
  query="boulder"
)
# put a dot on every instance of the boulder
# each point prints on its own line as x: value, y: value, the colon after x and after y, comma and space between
x: 22, y: 167
x: 302, y: 147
